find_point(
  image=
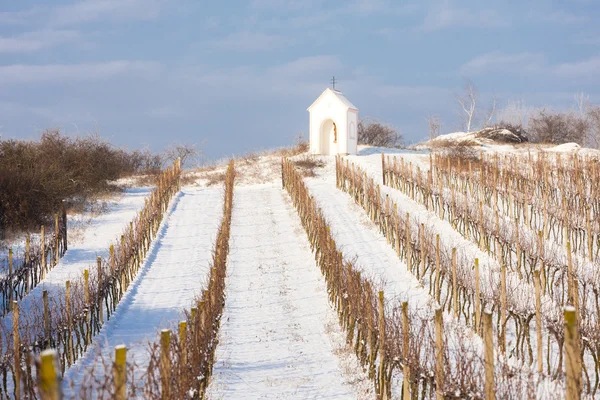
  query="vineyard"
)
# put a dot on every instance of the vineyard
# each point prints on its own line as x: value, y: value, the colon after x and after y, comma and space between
x: 393, y: 274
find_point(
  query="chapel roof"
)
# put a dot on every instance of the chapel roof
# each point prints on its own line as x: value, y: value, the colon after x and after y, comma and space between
x: 339, y: 95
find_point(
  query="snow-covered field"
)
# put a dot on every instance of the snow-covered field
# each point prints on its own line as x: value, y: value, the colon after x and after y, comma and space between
x: 279, y: 336
x: 173, y: 274
x: 90, y: 237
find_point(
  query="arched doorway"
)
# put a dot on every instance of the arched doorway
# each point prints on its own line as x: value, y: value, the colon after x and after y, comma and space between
x: 327, y: 138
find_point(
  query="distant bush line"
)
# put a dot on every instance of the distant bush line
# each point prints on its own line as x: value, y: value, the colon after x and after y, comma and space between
x: 35, y: 176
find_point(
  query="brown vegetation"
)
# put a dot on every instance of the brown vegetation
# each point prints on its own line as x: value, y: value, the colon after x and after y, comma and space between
x: 36, y: 176
x: 375, y: 133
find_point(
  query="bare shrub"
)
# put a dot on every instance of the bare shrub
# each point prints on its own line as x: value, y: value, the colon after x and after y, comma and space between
x: 557, y: 128
x: 308, y: 164
x: 379, y: 134
x: 216, y: 178
x: 185, y: 152
x: 36, y: 176
x: 593, y: 118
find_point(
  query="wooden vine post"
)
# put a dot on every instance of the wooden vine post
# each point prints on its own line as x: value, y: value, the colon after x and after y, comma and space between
x: 538, y: 321
x: 454, y: 285
x: 69, y: 323
x: 48, y: 380
x: 573, y: 366
x: 183, y: 342
x: 64, y: 222
x: 382, y: 360
x: 16, y: 349
x: 502, y: 333
x: 120, y: 372
x: 56, y: 238
x: 43, y: 250
x: 165, y: 365
x: 488, y: 339
x: 10, y: 275
x: 477, y: 298
x: 439, y: 354
x: 438, y: 269
x: 100, y: 307
x: 405, y: 350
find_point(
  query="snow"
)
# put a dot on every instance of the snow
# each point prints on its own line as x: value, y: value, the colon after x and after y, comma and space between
x: 94, y: 241
x: 174, y: 272
x: 565, y: 148
x: 278, y: 333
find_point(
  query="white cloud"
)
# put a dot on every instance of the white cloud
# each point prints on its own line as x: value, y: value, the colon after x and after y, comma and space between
x: 34, y: 41
x: 93, y: 10
x: 250, y: 41
x: 444, y: 16
x: 57, y: 73
x: 579, y: 69
x: 516, y: 63
x: 557, y: 17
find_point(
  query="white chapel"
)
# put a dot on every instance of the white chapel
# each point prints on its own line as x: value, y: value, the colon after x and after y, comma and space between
x: 333, y: 123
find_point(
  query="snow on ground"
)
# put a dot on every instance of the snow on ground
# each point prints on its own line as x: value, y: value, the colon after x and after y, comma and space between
x: 94, y: 241
x: 279, y: 337
x: 359, y: 239
x: 174, y: 272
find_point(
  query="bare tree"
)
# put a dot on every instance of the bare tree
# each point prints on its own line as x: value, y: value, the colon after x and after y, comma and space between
x: 516, y: 113
x: 376, y: 133
x: 468, y: 103
x: 434, y: 126
x: 491, y: 112
x: 593, y: 119
x: 185, y: 152
x: 582, y: 102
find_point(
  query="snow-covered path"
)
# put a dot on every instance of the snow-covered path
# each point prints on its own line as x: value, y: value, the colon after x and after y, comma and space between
x: 173, y: 274
x: 277, y: 335
x: 359, y: 239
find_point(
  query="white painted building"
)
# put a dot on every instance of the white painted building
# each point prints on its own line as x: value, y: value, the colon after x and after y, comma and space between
x: 333, y: 124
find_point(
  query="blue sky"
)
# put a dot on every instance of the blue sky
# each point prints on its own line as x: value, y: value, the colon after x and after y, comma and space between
x: 239, y: 75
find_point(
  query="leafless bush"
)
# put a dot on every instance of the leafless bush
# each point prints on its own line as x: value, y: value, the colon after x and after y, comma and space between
x: 308, y: 164
x: 593, y: 118
x: 455, y: 150
x: 557, y: 128
x: 36, y: 176
x: 375, y: 133
x: 185, y: 152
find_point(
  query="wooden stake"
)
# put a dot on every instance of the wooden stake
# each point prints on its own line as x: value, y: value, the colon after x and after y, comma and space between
x: 49, y: 384
x: 16, y: 349
x: 165, y: 364
x: 488, y: 339
x: 183, y: 342
x: 439, y: 354
x: 43, y: 250
x: 382, y: 360
x: 120, y: 372
x: 86, y: 286
x: 56, y: 246
x: 477, y: 298
x: 454, y: 285
x: 573, y: 366
x: 538, y: 320
x: 10, y: 275
x: 100, y: 305
x: 405, y: 350
x: 438, y: 277
x: 502, y: 333
x: 27, y: 249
